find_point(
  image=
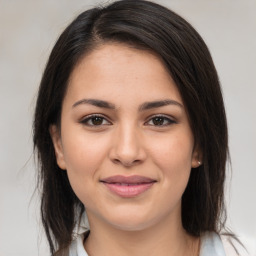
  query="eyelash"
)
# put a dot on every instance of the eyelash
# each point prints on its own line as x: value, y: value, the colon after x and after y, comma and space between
x: 164, y: 118
x: 89, y: 118
x: 167, y: 121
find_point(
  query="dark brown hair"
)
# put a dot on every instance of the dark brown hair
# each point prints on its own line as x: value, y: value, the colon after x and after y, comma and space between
x: 149, y: 26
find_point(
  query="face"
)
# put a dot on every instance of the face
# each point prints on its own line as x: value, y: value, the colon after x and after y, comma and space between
x: 125, y: 139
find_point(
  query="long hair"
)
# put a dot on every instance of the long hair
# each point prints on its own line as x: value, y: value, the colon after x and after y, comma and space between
x: 147, y: 26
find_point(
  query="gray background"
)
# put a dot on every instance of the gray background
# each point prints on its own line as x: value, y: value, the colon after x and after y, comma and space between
x: 28, y: 30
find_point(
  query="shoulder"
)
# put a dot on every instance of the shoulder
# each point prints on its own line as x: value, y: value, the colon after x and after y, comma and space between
x: 232, y: 246
x: 77, y: 248
x: 213, y: 244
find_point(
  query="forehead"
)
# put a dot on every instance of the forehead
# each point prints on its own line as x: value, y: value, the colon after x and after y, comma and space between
x: 121, y: 70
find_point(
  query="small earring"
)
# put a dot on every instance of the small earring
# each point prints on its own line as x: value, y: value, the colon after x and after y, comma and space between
x: 199, y: 162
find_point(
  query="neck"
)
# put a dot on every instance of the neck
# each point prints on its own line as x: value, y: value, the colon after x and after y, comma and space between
x: 155, y: 240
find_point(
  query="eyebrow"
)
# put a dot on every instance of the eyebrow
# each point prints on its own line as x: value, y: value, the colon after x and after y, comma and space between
x: 158, y: 104
x: 142, y: 107
x: 94, y: 102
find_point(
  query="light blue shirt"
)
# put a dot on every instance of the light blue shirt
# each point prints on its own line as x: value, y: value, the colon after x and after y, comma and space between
x: 210, y: 245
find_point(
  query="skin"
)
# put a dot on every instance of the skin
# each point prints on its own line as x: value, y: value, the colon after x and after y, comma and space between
x: 127, y: 140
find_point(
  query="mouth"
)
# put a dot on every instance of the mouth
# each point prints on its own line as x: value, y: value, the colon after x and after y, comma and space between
x: 128, y: 186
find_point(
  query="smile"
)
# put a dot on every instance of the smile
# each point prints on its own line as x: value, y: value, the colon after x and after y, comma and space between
x: 128, y: 187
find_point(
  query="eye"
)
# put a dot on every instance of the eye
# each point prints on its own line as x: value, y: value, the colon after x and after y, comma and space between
x: 160, y: 121
x: 95, y: 120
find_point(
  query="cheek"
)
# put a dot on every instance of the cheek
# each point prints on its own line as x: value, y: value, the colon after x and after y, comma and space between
x: 83, y: 152
x: 174, y: 152
x: 173, y: 157
x: 84, y: 156
x: 78, y: 156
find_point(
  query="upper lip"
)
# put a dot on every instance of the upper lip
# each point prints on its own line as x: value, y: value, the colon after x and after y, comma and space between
x: 134, y: 179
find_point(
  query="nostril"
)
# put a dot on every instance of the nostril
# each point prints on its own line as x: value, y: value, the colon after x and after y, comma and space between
x: 116, y: 161
x: 126, y: 163
x: 127, y: 152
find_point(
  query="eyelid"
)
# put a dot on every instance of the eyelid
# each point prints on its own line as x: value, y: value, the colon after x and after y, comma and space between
x: 166, y: 117
x: 86, y: 118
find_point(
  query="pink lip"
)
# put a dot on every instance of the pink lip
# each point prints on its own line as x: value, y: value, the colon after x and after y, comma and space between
x: 128, y: 186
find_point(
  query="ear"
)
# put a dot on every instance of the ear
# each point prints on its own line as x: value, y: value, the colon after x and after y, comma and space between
x: 56, y: 140
x: 197, y: 157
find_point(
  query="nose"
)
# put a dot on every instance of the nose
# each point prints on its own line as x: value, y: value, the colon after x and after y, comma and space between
x: 127, y: 147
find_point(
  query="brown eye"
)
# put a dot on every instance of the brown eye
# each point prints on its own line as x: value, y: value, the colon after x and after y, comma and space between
x: 95, y: 120
x: 160, y: 121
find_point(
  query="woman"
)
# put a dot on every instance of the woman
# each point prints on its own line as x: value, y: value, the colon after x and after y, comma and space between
x: 130, y: 127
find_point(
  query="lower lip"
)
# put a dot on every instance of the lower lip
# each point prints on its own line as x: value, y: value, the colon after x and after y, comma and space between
x: 128, y: 190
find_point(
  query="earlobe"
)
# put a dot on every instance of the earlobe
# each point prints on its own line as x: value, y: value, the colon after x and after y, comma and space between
x: 197, y: 158
x: 57, y: 144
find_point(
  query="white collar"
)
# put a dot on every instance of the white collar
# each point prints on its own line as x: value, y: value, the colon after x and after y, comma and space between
x: 211, y: 245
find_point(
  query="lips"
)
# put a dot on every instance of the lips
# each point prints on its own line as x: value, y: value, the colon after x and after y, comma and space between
x: 128, y: 186
x: 135, y: 179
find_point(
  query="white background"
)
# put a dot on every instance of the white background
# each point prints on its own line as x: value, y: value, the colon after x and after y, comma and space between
x: 28, y: 30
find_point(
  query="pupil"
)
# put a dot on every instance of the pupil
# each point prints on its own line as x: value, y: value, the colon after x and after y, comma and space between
x: 97, y: 120
x: 158, y: 121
